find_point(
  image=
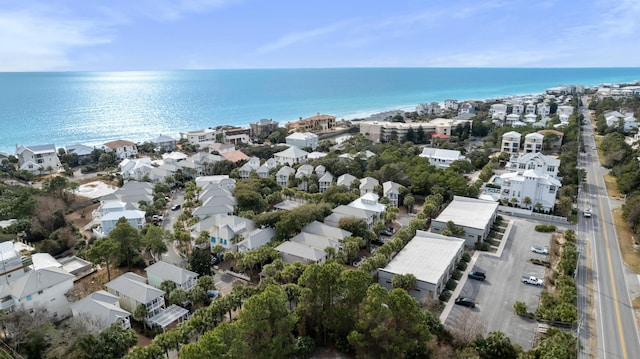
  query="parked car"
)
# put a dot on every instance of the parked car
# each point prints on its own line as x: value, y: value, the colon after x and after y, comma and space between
x: 587, y: 213
x: 213, y: 294
x: 215, y: 259
x: 379, y: 241
x: 157, y: 218
x: 533, y: 281
x: 477, y: 275
x: 539, y: 250
x: 175, y: 207
x: 466, y: 302
x: 385, y: 232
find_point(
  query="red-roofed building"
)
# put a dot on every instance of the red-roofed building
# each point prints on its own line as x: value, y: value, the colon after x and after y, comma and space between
x: 234, y: 156
x: 122, y: 148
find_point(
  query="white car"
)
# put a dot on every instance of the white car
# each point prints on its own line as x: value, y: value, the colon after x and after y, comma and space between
x: 587, y: 213
x: 533, y: 281
x: 540, y: 250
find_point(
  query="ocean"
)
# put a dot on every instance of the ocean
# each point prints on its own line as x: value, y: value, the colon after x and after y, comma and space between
x: 92, y: 108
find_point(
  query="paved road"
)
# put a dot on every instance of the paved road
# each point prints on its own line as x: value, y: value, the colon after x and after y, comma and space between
x: 617, y: 333
x: 170, y: 218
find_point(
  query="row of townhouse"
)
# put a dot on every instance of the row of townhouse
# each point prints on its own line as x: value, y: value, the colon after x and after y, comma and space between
x: 378, y: 131
x: 436, y: 109
x: 533, y: 142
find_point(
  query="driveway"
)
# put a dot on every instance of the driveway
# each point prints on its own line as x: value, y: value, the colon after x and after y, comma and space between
x: 503, y: 287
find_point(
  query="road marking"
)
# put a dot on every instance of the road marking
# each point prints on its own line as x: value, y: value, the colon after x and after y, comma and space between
x: 613, y: 283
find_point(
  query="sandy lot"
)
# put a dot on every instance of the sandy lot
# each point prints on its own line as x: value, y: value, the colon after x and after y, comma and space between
x: 95, y: 189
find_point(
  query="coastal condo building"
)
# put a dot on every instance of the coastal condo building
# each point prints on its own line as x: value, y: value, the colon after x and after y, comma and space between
x: 378, y: 131
x: 318, y: 122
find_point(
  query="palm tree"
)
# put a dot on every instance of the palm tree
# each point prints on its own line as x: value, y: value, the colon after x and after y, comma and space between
x: 538, y: 206
x: 527, y: 201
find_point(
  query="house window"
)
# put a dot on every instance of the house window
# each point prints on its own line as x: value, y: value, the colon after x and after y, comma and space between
x: 552, y: 189
x: 551, y: 168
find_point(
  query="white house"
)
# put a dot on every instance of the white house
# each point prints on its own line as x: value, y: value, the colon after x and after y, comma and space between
x: 256, y: 239
x: 533, y: 142
x: 200, y: 137
x: 303, y: 173
x: 475, y: 216
x: 498, y: 110
x: 325, y: 182
x: 122, y: 149
x: 530, y: 189
x: 431, y: 258
x: 565, y: 110
x: 441, y: 158
x: 323, y: 229
x: 165, y: 142
x: 222, y: 181
x: 391, y: 190
x: 346, y: 180
x: 543, y: 109
x: 133, y: 290
x: 302, y: 140
x: 291, y: 156
x: 39, y: 288
x: 541, y: 164
x: 282, y: 176
x: 511, y: 142
x: 135, y: 218
x: 226, y: 228
x: 38, y: 158
x: 160, y: 271
x: 368, y: 185
x: 99, y: 310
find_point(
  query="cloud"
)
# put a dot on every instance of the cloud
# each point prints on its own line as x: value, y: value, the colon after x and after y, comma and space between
x: 32, y: 39
x: 300, y: 37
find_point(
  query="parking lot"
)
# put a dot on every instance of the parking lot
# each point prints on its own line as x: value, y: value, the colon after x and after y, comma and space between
x: 495, y: 296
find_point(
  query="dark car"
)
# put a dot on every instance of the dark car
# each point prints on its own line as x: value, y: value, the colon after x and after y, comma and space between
x: 386, y: 232
x: 477, y: 275
x: 467, y: 302
x: 378, y: 241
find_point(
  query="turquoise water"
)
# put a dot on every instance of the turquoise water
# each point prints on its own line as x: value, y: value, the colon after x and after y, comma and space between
x: 95, y: 107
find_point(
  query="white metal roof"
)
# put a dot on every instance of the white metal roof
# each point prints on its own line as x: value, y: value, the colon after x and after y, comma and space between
x: 468, y: 212
x: 427, y: 256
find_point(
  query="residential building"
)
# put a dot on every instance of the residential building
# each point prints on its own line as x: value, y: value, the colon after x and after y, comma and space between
x: 234, y: 156
x: 323, y: 229
x: 316, y: 241
x: 530, y: 118
x: 555, y: 140
x: 451, y: 105
x: 291, y: 252
x: 533, y: 142
x: 511, y: 142
x: 283, y: 174
x: 237, y: 135
x: 203, y: 137
x: 543, y: 109
x: 229, y: 229
x: 431, y: 258
x: 318, y: 122
x: 498, y: 110
x: 83, y: 152
x: 517, y: 109
x: 320, y: 170
x: 133, y: 290
x: 541, y: 164
x: 466, y: 108
x: 565, y: 110
x: 378, y: 131
x: 164, y: 142
x: 252, y: 164
x: 530, y: 109
x: 346, y: 180
x: 122, y: 149
x: 99, y: 310
x: 222, y: 181
x: 368, y: 185
x: 39, y: 158
x: 263, y: 171
x: 222, y: 147
x: 441, y: 158
x: 161, y: 271
x: 263, y: 128
x: 109, y: 221
x: 474, y: 216
x: 42, y: 288
x: 256, y: 239
x: 391, y: 190
x: 303, y: 140
x: 291, y: 156
x: 511, y: 118
x: 303, y: 174
x: 626, y: 121
x: 325, y: 182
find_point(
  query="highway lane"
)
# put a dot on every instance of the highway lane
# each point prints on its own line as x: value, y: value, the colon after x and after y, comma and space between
x: 617, y: 333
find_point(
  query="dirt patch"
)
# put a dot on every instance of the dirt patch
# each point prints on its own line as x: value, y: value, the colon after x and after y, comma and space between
x: 97, y: 280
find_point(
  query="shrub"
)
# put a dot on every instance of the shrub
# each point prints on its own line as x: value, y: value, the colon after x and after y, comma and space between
x: 456, y: 275
x: 520, y: 308
x: 451, y: 284
x: 445, y: 296
x: 545, y: 228
x: 461, y: 266
x: 482, y: 246
x: 466, y: 257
